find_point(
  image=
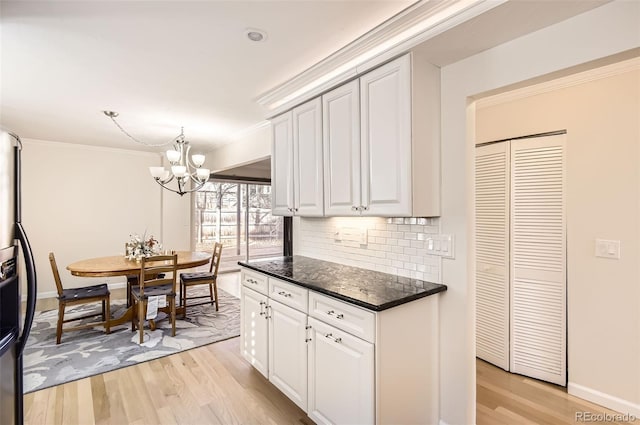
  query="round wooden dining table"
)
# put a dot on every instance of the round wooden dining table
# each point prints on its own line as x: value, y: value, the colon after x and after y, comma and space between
x: 118, y: 265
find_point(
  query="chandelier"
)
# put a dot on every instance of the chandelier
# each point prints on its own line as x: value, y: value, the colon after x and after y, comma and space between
x: 184, y: 168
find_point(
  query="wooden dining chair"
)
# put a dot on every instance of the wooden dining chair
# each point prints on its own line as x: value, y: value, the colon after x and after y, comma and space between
x: 75, y: 296
x: 202, y: 278
x: 132, y: 279
x: 151, y: 284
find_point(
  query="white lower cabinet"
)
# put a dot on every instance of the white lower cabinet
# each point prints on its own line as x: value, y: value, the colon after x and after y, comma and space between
x: 340, y: 363
x: 254, y: 329
x: 288, y: 351
x: 341, y: 376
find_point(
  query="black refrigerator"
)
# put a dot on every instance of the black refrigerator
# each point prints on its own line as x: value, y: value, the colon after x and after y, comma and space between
x: 13, y: 243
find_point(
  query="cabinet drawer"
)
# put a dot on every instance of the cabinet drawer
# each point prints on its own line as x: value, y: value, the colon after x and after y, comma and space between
x: 287, y: 293
x: 349, y: 318
x: 256, y: 281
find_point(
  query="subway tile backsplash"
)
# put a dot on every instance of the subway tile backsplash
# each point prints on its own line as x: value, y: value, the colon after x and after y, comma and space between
x: 390, y: 245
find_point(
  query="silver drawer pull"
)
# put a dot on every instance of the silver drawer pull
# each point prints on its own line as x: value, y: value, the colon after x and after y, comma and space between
x: 338, y: 340
x: 330, y: 312
x: 255, y: 282
x: 340, y: 316
x: 284, y: 294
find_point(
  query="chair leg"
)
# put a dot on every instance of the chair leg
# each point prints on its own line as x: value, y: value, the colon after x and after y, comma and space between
x: 173, y: 316
x: 183, y: 299
x: 141, y: 306
x: 215, y: 292
x: 60, y: 320
x: 107, y: 311
x: 211, y: 292
x: 134, y: 316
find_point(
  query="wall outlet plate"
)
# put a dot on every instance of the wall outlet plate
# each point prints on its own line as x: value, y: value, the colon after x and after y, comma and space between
x: 441, y: 245
x: 607, y: 249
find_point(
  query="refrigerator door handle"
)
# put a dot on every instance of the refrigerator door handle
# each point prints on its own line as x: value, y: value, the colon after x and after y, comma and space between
x: 31, y: 287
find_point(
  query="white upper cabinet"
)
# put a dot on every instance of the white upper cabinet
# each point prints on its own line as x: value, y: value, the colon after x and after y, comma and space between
x: 282, y: 164
x: 296, y: 161
x: 385, y: 123
x: 307, y: 159
x: 379, y: 138
x: 341, y: 141
x: 382, y: 142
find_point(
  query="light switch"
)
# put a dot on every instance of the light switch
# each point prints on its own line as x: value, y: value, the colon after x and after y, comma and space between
x: 337, y: 234
x: 608, y: 249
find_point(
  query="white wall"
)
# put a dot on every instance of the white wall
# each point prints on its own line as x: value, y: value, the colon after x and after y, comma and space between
x: 603, y: 201
x: 81, y: 202
x: 252, y: 146
x: 605, y: 31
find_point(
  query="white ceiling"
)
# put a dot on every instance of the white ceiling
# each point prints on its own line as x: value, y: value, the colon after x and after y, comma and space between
x: 163, y: 65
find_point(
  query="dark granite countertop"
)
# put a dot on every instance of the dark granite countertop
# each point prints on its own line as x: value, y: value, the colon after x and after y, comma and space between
x: 365, y: 288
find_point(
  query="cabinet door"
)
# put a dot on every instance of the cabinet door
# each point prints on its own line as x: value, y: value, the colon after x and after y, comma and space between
x: 307, y: 159
x: 341, y: 143
x: 341, y: 377
x: 288, y: 352
x: 254, y: 329
x: 385, y: 117
x: 282, y: 165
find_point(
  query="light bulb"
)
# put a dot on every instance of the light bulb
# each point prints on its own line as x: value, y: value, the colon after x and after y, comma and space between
x: 198, y: 160
x: 157, y: 172
x: 173, y: 156
x: 179, y: 170
x: 203, y: 173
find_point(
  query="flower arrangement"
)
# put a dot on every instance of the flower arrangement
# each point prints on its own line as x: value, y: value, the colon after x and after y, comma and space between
x: 138, y: 247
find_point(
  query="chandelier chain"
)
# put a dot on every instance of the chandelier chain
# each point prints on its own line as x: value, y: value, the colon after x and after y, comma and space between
x: 137, y: 140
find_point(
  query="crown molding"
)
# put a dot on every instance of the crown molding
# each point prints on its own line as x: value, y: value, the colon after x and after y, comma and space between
x: 396, y: 36
x: 561, y: 83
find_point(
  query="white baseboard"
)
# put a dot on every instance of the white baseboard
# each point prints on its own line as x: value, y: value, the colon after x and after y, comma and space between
x: 442, y: 422
x: 54, y: 294
x: 606, y: 400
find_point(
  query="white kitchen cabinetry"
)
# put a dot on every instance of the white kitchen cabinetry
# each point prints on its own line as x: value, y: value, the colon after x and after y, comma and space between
x: 282, y: 164
x: 341, y: 143
x: 382, y: 142
x: 254, y: 329
x: 296, y: 167
x: 341, y: 377
x: 288, y: 351
x: 339, y: 362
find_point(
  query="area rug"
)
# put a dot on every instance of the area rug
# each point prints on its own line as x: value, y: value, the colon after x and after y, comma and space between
x: 90, y: 352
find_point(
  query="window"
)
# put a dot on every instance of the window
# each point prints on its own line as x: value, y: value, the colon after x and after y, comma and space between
x: 239, y: 216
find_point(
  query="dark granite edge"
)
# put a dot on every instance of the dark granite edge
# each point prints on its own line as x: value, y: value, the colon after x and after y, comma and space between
x: 385, y: 306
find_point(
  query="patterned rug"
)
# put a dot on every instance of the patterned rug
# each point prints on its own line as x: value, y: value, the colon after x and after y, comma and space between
x: 90, y: 352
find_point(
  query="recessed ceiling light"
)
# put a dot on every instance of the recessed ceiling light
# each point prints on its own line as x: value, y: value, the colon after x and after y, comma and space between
x: 256, y: 35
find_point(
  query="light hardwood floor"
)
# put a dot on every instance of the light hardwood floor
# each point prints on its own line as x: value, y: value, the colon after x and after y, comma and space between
x: 510, y: 399
x: 207, y: 385
x: 215, y: 385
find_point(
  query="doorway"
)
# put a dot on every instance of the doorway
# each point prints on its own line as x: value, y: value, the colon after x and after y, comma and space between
x: 521, y: 256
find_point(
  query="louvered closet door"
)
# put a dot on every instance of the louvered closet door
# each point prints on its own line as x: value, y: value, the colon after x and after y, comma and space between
x: 492, y: 254
x: 538, y: 259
